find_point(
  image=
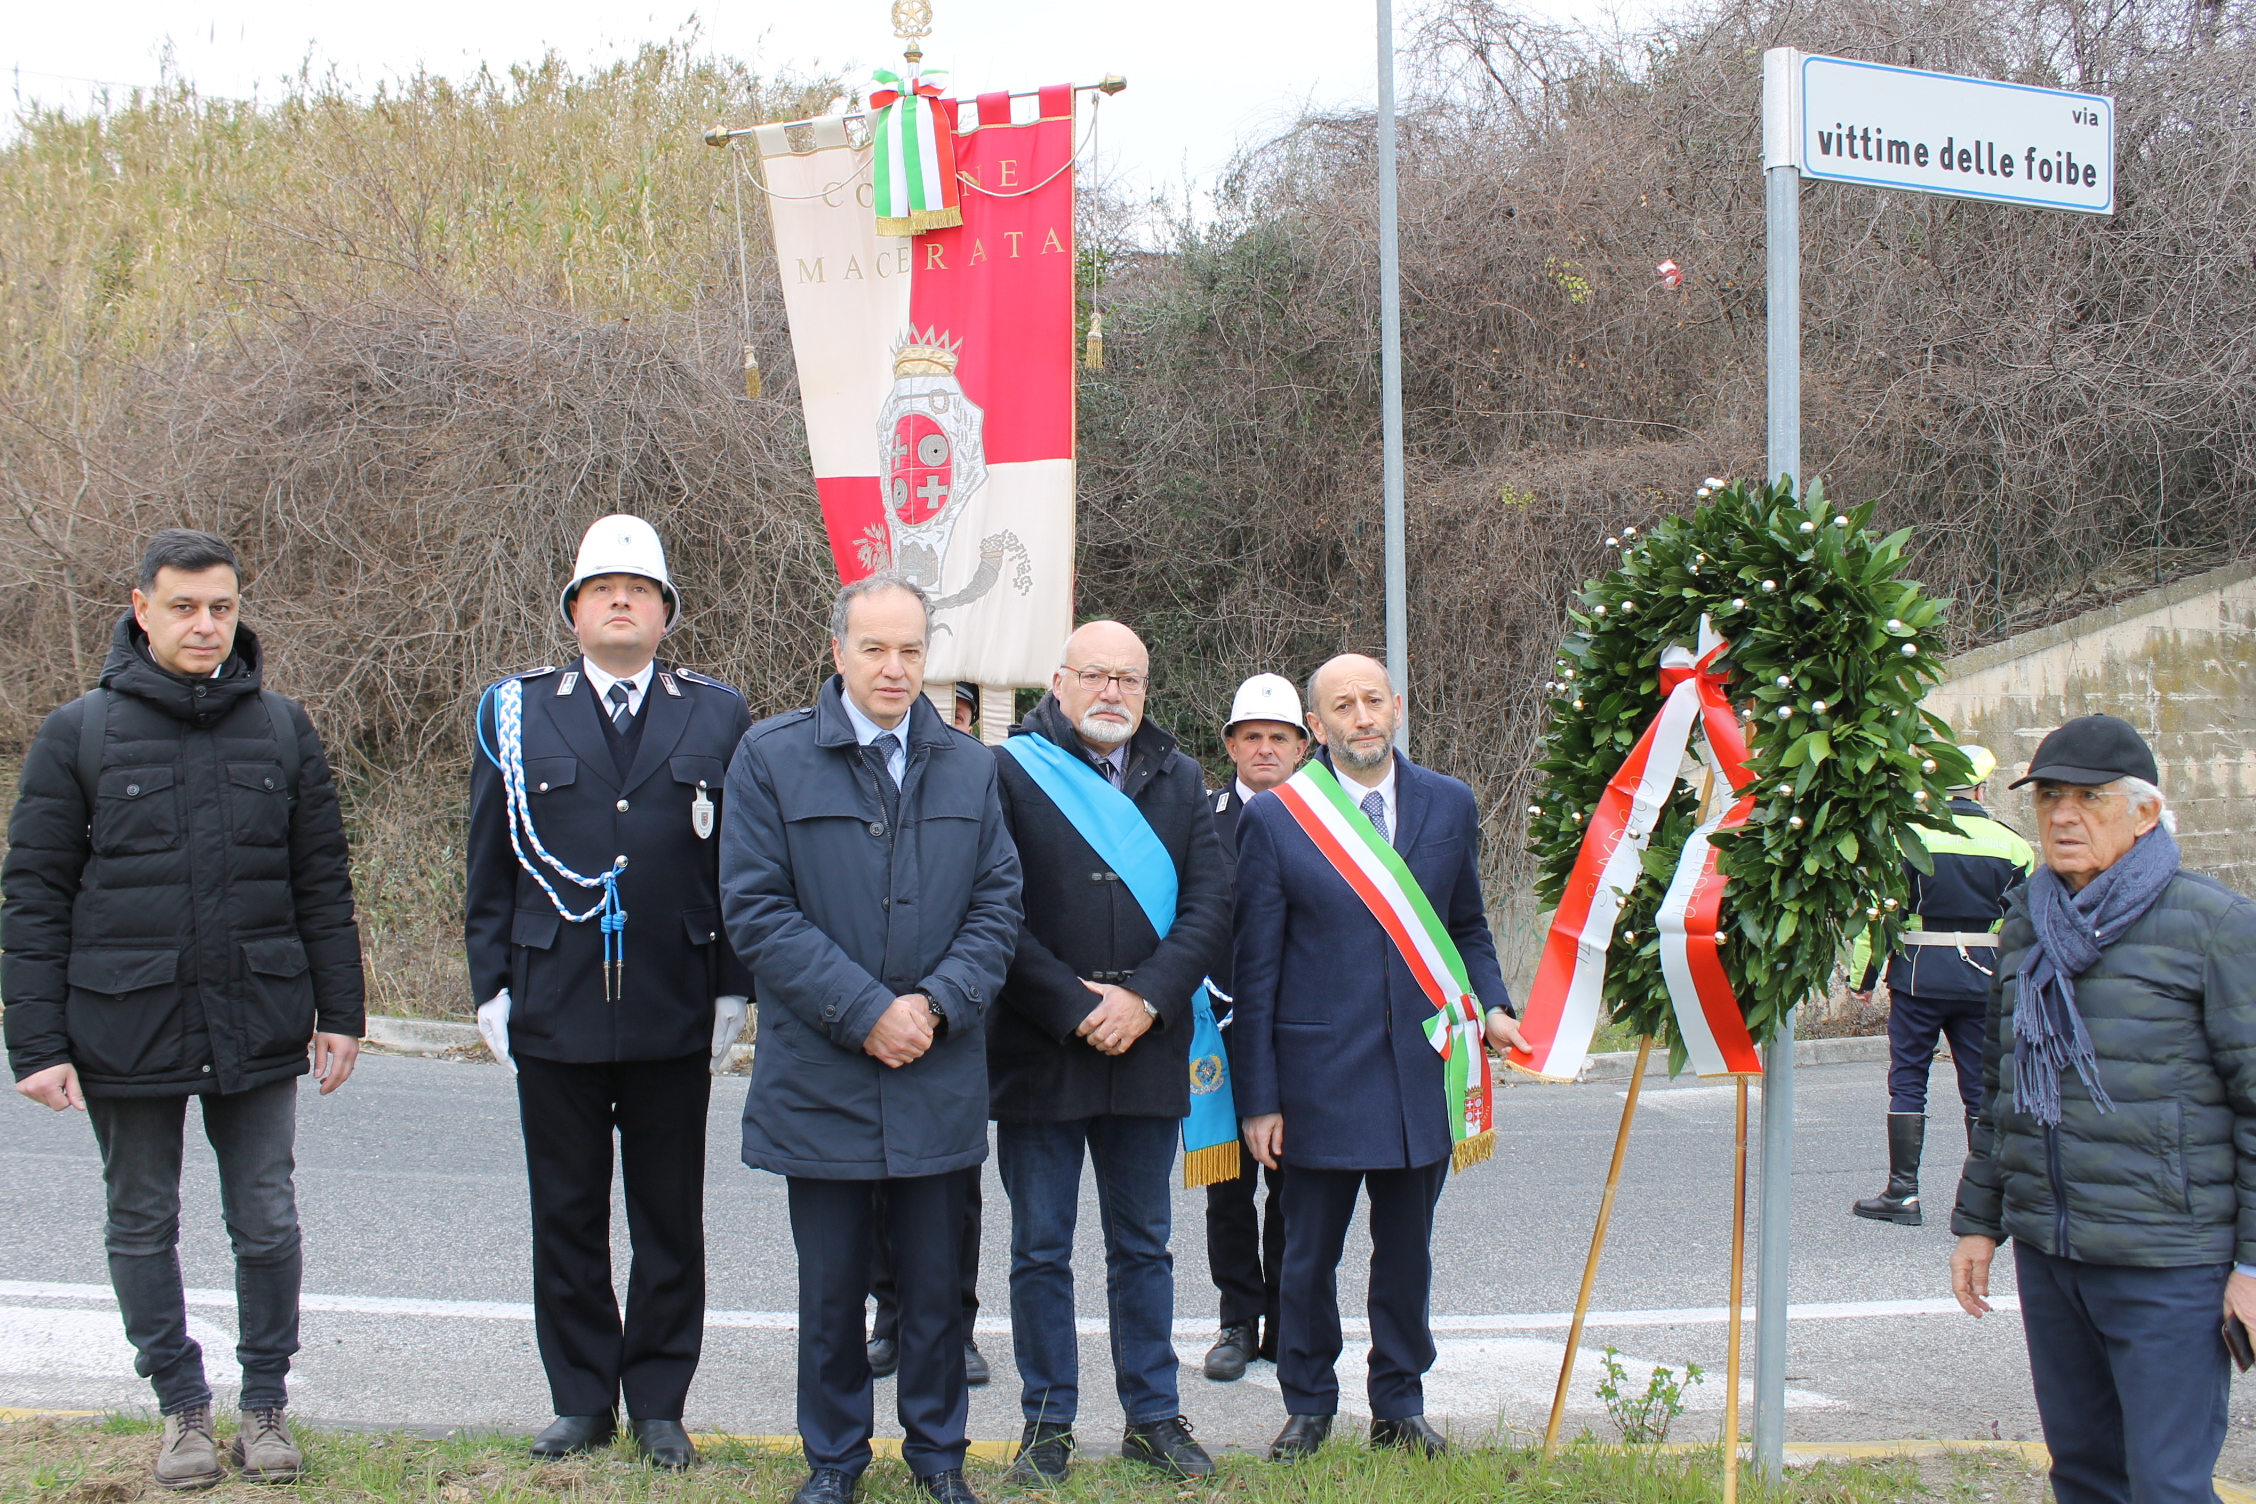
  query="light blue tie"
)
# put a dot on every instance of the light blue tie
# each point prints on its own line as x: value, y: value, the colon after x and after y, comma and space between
x: 1374, y: 805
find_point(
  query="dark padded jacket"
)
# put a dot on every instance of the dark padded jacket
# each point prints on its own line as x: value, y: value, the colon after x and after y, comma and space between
x: 196, y: 931
x: 2167, y: 1179
x: 1082, y: 922
x: 842, y: 899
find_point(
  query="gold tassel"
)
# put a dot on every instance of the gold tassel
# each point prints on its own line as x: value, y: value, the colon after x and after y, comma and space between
x: 917, y: 221
x: 751, y: 373
x: 1092, y: 355
x: 1211, y: 1165
x: 1474, y: 1149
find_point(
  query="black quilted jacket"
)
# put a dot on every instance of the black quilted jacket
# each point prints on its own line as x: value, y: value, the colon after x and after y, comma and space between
x: 2169, y: 1177
x: 185, y: 937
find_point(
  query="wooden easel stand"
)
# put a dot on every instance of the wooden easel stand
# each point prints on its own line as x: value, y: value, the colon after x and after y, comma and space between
x: 1597, y: 1246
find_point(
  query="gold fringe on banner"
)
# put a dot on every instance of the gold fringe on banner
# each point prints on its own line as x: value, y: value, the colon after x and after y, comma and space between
x: 751, y: 373
x: 1092, y: 355
x: 1474, y: 1149
x: 1212, y: 1165
x: 919, y: 221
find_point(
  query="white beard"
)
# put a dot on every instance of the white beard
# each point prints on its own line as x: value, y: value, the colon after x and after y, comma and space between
x: 1105, y: 733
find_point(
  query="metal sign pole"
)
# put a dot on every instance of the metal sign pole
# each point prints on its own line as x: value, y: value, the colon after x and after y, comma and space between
x: 1390, y: 385
x: 1782, y: 235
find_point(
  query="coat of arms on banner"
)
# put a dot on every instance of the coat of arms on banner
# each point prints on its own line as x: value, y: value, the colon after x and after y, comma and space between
x: 930, y: 456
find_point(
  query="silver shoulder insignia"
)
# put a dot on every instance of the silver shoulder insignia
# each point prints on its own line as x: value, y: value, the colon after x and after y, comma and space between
x: 671, y: 687
x: 564, y: 685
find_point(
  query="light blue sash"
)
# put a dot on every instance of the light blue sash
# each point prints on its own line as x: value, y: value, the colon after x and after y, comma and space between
x: 1110, y: 822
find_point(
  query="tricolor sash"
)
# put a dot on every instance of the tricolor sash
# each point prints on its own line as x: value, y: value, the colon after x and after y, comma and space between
x: 1375, y: 870
x: 1117, y: 830
x: 1570, y: 981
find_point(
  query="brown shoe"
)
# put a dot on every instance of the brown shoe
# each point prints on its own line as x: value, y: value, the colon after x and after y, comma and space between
x: 263, y: 1449
x: 188, y: 1457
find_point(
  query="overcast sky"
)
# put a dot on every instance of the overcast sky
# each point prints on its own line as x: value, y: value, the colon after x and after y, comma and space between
x: 1203, y: 75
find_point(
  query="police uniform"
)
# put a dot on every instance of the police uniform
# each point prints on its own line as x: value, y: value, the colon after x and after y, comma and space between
x: 1245, y: 1247
x: 1939, y: 984
x: 602, y: 1047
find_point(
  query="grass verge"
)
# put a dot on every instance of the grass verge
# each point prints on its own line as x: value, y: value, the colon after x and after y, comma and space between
x: 106, y: 1461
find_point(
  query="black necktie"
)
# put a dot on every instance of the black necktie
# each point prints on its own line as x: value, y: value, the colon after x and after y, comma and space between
x: 620, y: 715
x: 1111, y: 771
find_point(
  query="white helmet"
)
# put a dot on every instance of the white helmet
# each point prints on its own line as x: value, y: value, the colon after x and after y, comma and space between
x: 1267, y: 697
x: 619, y: 544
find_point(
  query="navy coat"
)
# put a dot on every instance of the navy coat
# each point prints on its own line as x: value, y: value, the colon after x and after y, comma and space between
x: 1081, y: 921
x: 841, y: 907
x: 1330, y: 1026
x: 587, y: 811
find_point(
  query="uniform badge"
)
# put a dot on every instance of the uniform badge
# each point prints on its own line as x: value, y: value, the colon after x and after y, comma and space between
x: 564, y: 685
x: 668, y: 681
x: 701, y: 813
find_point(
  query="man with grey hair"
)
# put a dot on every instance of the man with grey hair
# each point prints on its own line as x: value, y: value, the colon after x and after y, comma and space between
x: 1127, y: 912
x: 2117, y: 1134
x: 868, y: 880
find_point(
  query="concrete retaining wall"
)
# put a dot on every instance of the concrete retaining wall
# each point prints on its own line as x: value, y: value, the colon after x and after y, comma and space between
x: 2178, y: 663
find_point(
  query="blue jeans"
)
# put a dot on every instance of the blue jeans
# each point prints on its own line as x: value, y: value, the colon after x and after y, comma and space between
x: 2131, y: 1377
x: 1040, y: 1167
x: 254, y: 1135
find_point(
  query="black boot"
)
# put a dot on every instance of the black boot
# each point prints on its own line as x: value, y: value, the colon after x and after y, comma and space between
x: 1907, y: 1134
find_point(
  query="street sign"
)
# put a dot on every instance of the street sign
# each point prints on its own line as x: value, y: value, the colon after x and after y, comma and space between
x: 1886, y: 127
x: 1898, y: 128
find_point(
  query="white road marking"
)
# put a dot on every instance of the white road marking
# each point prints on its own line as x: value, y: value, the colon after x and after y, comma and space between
x: 40, y: 1341
x: 783, y: 1321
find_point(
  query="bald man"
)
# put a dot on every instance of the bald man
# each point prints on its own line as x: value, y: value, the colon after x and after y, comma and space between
x: 1088, y: 1050
x: 1334, y: 1075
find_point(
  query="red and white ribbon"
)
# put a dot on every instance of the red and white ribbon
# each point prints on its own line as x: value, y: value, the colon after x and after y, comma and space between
x: 1570, y: 981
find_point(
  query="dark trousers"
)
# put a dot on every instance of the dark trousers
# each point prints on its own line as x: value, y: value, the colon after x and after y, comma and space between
x: 1318, y: 1209
x: 254, y: 1136
x: 1245, y: 1252
x: 569, y: 1112
x: 1913, y: 1024
x: 2130, y: 1374
x: 835, y: 1225
x: 887, y: 1326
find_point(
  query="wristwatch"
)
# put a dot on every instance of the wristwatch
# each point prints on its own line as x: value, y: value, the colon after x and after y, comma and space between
x: 939, y: 1014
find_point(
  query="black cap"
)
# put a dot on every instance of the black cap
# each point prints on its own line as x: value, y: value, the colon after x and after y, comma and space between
x: 2092, y: 749
x: 967, y: 693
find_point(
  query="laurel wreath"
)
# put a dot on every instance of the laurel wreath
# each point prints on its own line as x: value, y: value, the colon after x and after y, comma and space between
x: 1830, y: 653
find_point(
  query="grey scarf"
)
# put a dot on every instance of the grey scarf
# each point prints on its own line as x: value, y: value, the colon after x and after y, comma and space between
x: 2072, y: 929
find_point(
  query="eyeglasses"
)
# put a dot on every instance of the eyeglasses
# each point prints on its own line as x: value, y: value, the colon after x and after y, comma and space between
x: 1095, y: 679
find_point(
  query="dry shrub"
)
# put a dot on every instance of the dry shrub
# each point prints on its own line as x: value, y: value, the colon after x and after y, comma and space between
x: 403, y: 349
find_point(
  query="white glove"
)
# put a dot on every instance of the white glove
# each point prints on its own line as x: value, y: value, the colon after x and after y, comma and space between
x: 728, y: 1022
x: 493, y: 1027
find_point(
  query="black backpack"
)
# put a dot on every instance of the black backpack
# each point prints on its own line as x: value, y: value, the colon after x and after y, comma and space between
x: 94, y: 724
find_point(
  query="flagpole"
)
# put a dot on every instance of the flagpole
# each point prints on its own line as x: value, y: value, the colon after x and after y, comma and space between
x: 1390, y: 384
x: 1597, y: 1246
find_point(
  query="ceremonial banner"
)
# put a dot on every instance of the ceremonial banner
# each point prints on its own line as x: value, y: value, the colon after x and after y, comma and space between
x: 936, y: 372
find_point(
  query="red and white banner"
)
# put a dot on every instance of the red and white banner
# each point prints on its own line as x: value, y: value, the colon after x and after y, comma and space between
x: 1569, y: 993
x: 936, y: 372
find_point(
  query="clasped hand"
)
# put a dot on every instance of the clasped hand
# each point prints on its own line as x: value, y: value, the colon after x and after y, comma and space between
x: 1119, y: 1021
x: 903, y: 1032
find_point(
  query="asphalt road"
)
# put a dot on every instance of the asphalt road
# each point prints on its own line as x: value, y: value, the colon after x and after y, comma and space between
x: 411, y: 1186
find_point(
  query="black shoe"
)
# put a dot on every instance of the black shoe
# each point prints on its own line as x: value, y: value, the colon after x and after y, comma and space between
x: 1168, y: 1446
x: 975, y: 1364
x: 1410, y: 1433
x: 1045, y: 1455
x: 826, y: 1485
x: 1899, y: 1203
x: 948, y: 1487
x: 575, y: 1433
x: 884, y: 1357
x: 1226, y: 1360
x: 665, y: 1443
x: 1302, y: 1435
